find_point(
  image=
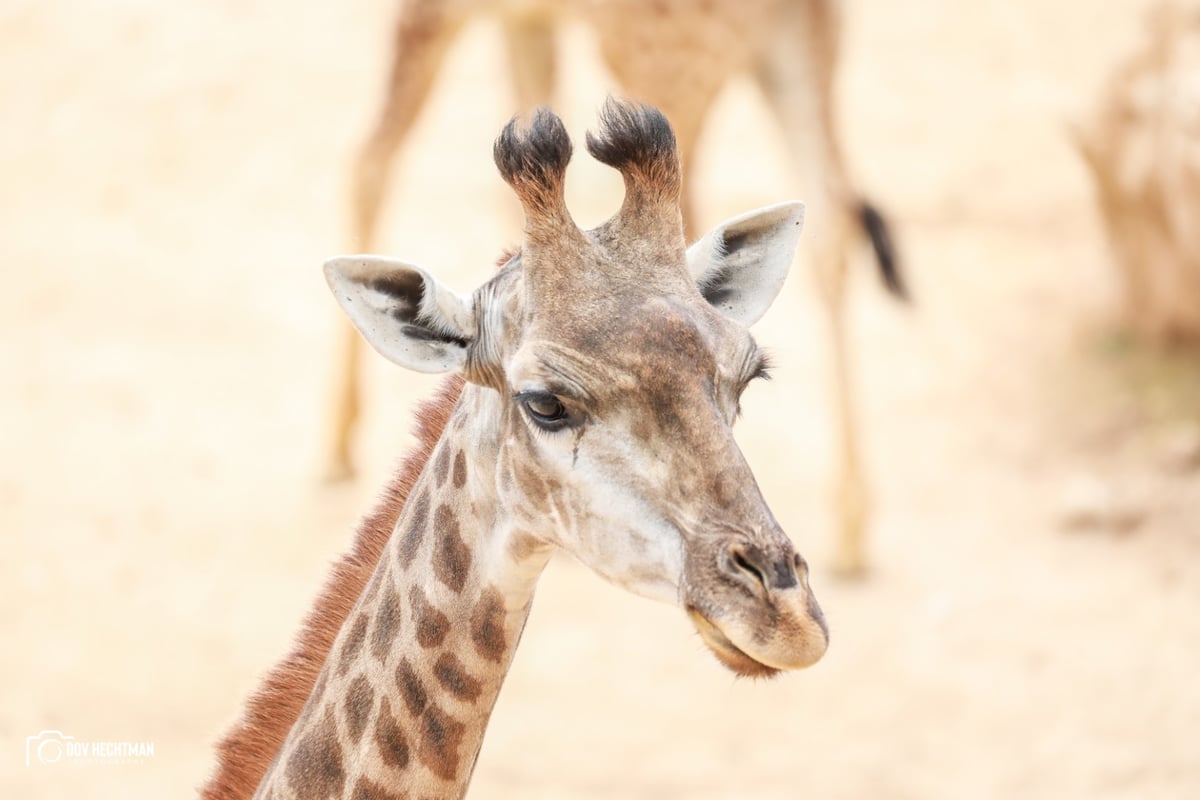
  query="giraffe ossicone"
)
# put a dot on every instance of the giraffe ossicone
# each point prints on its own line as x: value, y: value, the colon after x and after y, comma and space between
x: 600, y: 376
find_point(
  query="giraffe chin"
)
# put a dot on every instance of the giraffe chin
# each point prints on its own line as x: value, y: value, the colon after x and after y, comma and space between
x: 727, y: 652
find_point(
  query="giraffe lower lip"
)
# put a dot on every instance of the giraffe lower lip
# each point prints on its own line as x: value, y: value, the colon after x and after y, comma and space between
x: 726, y: 651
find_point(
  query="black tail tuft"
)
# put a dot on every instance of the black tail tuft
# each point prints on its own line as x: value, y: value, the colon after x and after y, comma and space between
x: 880, y: 235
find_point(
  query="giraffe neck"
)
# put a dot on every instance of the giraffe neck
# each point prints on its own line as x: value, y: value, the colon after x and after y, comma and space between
x: 402, y: 701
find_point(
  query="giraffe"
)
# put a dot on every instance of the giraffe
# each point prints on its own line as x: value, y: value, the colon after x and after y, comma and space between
x: 597, y: 377
x: 1140, y: 146
x: 675, y: 55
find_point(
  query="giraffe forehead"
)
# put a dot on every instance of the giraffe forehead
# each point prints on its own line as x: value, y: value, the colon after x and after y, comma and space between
x: 665, y: 329
x: 635, y: 340
x: 607, y: 263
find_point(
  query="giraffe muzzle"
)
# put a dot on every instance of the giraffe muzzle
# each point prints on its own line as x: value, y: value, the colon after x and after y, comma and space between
x: 757, y: 612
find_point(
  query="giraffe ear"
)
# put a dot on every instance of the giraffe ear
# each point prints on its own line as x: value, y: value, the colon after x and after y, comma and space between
x: 403, y: 312
x: 740, y: 265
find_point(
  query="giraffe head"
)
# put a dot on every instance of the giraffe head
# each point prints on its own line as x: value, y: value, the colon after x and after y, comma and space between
x: 610, y: 363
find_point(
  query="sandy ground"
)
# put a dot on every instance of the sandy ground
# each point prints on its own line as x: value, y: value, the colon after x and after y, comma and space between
x: 172, y: 176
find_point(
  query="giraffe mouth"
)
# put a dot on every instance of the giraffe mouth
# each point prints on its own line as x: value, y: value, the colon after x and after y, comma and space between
x: 726, y: 651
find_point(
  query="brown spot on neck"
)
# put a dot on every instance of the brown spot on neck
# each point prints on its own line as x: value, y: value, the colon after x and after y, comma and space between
x: 441, y: 467
x: 390, y: 739
x: 432, y: 625
x: 411, y: 688
x: 453, y: 676
x: 460, y: 470
x: 441, y: 736
x: 487, y: 626
x: 360, y: 698
x: 408, y: 543
x: 367, y: 789
x: 451, y: 556
x: 315, y: 766
x: 387, y: 623
x: 353, y: 643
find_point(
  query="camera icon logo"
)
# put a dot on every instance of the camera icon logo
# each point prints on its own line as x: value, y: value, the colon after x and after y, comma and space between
x: 46, y: 748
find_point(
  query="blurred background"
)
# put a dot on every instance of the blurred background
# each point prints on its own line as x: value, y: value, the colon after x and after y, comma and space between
x: 173, y: 176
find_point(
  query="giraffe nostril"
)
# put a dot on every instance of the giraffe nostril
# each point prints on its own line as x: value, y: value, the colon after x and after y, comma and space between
x: 756, y: 569
x: 801, y: 567
x: 742, y: 565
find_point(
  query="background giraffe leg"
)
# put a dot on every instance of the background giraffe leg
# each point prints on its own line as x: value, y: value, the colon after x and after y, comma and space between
x: 343, y: 402
x: 796, y: 73
x: 853, y: 501
x: 423, y: 34
x: 532, y: 58
x: 671, y: 80
x: 686, y: 109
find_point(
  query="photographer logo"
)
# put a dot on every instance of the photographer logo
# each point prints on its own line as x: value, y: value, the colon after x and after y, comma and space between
x: 53, y: 748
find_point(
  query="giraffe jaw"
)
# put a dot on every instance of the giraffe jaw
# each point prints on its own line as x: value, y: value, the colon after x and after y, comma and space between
x: 726, y: 651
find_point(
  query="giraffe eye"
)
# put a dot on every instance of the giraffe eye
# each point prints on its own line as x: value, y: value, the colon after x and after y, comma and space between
x: 546, y: 410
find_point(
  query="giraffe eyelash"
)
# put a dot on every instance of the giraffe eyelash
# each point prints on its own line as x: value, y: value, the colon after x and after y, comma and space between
x: 763, y: 368
x: 762, y: 371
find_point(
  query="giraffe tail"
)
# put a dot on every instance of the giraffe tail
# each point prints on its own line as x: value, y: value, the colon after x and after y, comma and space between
x: 876, y: 226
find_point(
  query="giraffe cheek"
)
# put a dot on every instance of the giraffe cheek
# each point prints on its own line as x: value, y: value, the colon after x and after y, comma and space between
x: 653, y: 585
x: 646, y: 562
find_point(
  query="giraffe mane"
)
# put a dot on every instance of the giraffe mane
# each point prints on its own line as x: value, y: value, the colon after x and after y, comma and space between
x: 246, y: 751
